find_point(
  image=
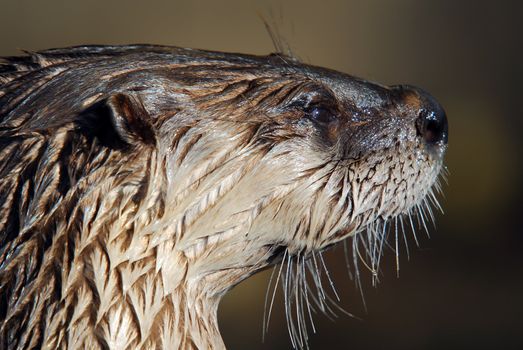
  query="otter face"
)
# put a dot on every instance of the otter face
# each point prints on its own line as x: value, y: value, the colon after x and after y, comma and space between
x: 284, y: 154
x: 140, y: 183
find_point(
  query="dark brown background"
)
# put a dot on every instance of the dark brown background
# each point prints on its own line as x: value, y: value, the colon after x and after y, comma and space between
x: 463, y: 288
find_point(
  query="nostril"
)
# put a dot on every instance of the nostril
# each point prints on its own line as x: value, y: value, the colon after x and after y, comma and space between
x: 432, y: 125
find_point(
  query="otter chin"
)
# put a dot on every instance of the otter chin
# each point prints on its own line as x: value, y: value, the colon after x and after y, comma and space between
x: 140, y: 183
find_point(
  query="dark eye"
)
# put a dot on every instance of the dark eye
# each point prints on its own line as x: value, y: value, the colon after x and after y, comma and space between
x: 322, y: 115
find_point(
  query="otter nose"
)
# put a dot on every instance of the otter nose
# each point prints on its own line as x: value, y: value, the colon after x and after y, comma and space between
x: 431, y: 122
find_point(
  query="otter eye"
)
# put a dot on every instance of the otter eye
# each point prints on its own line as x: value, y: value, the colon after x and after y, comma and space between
x: 322, y: 115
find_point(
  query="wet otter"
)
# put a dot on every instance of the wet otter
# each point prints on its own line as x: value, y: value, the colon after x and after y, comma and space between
x: 140, y: 183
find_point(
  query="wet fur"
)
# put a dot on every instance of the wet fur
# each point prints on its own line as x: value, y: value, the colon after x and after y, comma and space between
x: 140, y: 183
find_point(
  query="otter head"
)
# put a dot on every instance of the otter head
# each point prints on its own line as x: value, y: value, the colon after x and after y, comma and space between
x: 267, y: 153
x: 142, y: 182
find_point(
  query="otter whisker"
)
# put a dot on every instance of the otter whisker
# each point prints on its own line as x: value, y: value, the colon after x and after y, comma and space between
x: 296, y: 285
x: 325, y: 306
x: 337, y: 306
x: 285, y: 254
x: 396, y: 246
x: 434, y: 200
x: 287, y: 301
x: 294, y: 323
x: 315, y: 305
x: 356, y: 259
x: 372, y: 245
x: 329, y: 304
x: 317, y: 275
x: 322, y: 296
x: 421, y: 218
x: 346, y: 257
x: 443, y: 174
x: 427, y: 205
x: 366, y: 247
x: 381, y: 240
x: 321, y: 304
x: 386, y: 241
x: 328, y: 276
x: 265, y: 324
x: 305, y: 288
x: 403, y: 231
x: 364, y: 261
x: 409, y: 214
x: 303, y: 300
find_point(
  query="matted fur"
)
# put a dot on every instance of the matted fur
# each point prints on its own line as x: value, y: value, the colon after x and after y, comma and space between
x: 139, y: 183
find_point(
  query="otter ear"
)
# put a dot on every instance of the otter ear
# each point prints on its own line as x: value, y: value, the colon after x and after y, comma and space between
x: 119, y: 120
x: 130, y: 119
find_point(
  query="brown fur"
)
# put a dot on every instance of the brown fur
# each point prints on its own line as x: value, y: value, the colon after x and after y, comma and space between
x: 140, y: 183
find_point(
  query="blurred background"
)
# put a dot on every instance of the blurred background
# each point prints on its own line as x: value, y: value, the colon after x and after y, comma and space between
x: 460, y: 289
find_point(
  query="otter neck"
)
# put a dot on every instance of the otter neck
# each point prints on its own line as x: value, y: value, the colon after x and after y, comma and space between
x: 129, y: 264
x: 131, y: 283
x: 163, y: 299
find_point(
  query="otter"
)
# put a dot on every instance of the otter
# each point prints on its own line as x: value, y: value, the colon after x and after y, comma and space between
x: 140, y: 183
